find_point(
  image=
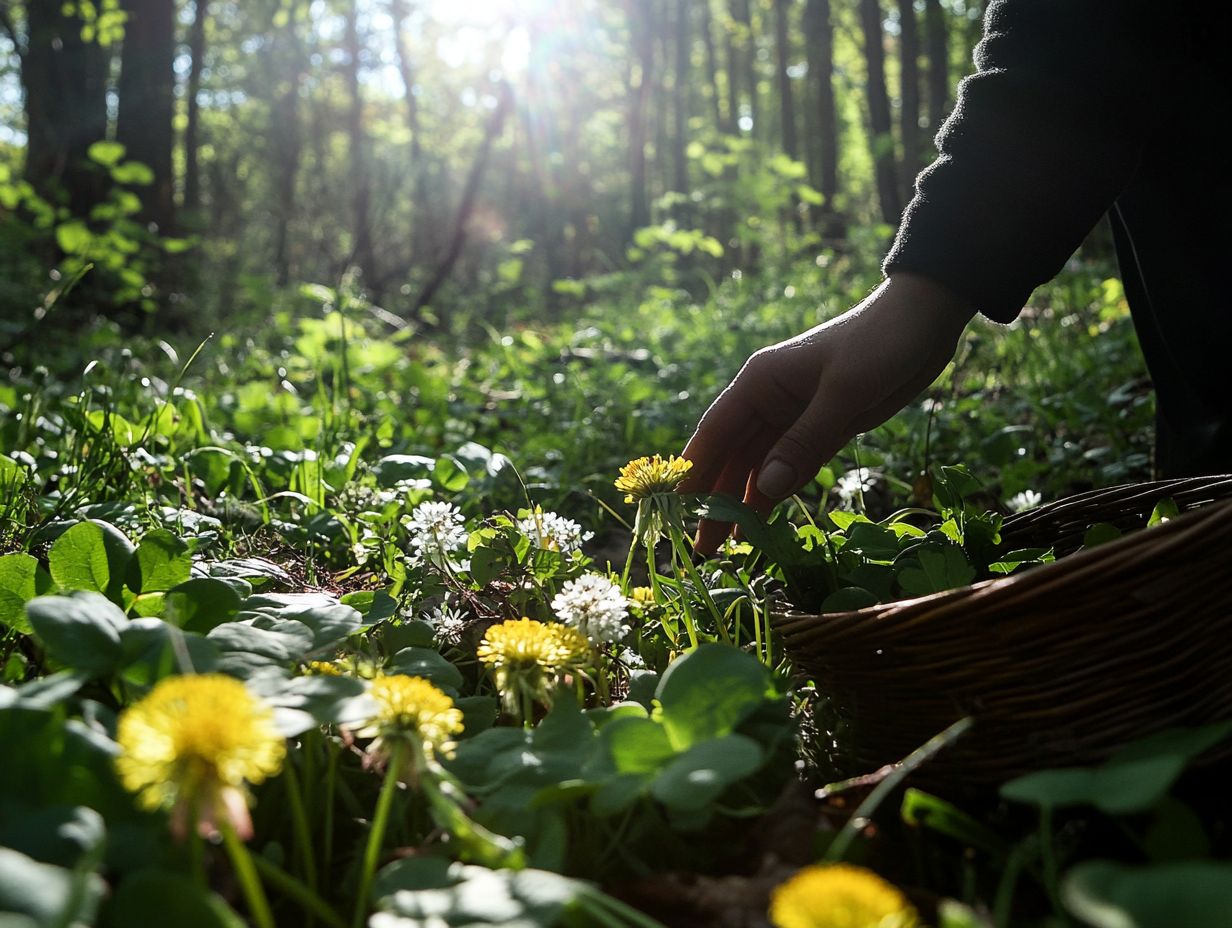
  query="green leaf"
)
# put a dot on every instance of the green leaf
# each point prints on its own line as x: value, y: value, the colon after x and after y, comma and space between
x: 160, y: 897
x: 921, y: 809
x: 90, y: 556
x: 1100, y: 533
x: 21, y: 579
x: 74, y: 237
x: 848, y: 599
x: 1133, y: 780
x: 132, y: 172
x: 49, y: 895
x: 153, y: 649
x: 426, y: 663
x: 331, y: 622
x: 201, y: 604
x: 1195, y: 894
x: 105, y: 153
x: 160, y: 562
x: 940, y: 568
x: 636, y: 745
x: 450, y: 474
x: 710, y: 691
x: 1164, y: 510
x: 373, y: 605
x: 700, y: 775
x: 80, y: 630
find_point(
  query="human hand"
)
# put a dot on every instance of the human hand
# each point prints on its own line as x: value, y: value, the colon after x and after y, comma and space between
x: 794, y: 405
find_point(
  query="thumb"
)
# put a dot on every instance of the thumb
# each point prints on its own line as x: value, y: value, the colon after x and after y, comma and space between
x: 796, y: 458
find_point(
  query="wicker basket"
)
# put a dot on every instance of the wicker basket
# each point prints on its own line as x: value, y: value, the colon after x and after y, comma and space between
x: 1057, y: 666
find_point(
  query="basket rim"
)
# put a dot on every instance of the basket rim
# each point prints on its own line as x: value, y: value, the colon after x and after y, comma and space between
x: 1090, y: 560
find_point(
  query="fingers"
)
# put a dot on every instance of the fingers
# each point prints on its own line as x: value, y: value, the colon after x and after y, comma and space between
x: 733, y: 481
x: 814, y: 438
x: 728, y: 424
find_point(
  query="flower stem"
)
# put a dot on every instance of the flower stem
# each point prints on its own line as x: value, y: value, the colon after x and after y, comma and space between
x: 297, y: 891
x: 299, y: 820
x: 376, y: 833
x: 246, y: 873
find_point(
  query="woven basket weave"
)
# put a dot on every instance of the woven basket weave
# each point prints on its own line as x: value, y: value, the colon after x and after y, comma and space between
x: 1058, y: 665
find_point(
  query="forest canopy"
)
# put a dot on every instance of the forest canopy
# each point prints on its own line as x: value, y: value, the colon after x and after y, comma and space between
x: 435, y: 153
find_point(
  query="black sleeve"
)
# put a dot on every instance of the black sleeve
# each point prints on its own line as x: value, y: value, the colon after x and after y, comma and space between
x: 1042, y: 139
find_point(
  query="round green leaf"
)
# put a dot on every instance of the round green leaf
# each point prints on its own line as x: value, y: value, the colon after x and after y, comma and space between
x: 160, y: 562
x: 709, y: 691
x: 1196, y: 894
x: 700, y: 775
x: 80, y: 630
x: 21, y: 579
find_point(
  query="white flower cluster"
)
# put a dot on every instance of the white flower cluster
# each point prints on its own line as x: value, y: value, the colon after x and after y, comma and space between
x: 436, y: 529
x: 448, y: 623
x: 554, y: 532
x: 1027, y: 499
x: 593, y: 605
x: 853, y: 483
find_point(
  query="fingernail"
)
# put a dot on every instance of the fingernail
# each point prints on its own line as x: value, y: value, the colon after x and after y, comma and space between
x: 777, y: 479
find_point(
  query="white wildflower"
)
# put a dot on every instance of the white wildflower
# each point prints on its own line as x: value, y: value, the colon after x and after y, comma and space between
x: 1027, y: 499
x: 554, y: 532
x: 436, y: 529
x: 593, y: 605
x: 448, y: 622
x: 632, y: 659
x: 853, y: 483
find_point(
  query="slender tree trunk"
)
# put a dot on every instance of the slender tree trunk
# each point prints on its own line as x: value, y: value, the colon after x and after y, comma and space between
x: 423, y: 216
x: 680, y: 96
x: 938, y: 64
x: 466, y: 205
x: 787, y: 108
x: 192, y: 128
x: 909, y: 107
x: 286, y: 137
x: 640, y: 75
x: 733, y: 74
x: 819, y: 40
x: 742, y: 14
x: 145, y: 119
x: 65, y: 84
x: 881, y: 132
x: 712, y: 63
x: 362, y: 191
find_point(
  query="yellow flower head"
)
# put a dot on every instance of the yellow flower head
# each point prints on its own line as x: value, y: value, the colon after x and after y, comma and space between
x: 652, y: 476
x: 840, y: 896
x: 323, y: 669
x: 408, y: 705
x: 192, y: 743
x: 642, y: 596
x: 527, y: 656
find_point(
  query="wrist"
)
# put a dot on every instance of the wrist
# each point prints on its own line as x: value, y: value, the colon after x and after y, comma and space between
x: 929, y: 296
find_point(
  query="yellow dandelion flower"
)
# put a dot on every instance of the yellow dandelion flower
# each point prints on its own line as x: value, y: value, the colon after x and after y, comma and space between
x: 840, y: 896
x: 323, y: 669
x: 412, y: 707
x: 642, y: 596
x: 192, y: 743
x: 652, y: 476
x: 527, y: 657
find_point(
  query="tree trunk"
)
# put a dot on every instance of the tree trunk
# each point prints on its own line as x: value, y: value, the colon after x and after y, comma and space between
x: 881, y: 133
x: 747, y: 56
x: 819, y: 40
x: 938, y: 64
x: 423, y: 213
x: 65, y: 83
x: 639, y: 83
x: 286, y: 136
x: 192, y: 128
x: 712, y: 63
x: 909, y: 107
x: 787, y: 110
x: 680, y: 96
x: 361, y: 251
x: 466, y: 205
x: 145, y: 119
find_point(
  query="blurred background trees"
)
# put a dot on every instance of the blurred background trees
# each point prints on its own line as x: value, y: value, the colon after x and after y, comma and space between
x: 203, y: 155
